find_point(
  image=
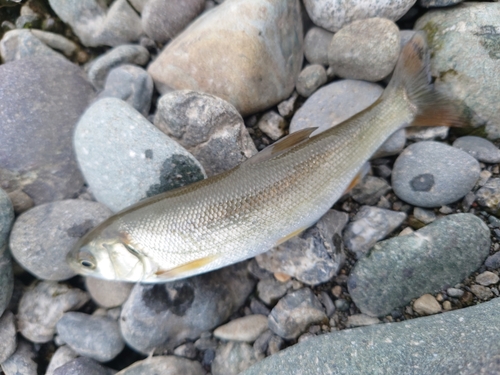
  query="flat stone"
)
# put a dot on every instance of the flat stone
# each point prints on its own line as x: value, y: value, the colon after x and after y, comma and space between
x: 272, y: 125
x: 480, y: 148
x: 316, y: 43
x: 108, y: 293
x: 83, y: 366
x: 487, y: 278
x: 361, y: 320
x: 246, y: 329
x: 6, y: 274
x: 8, y: 334
x: 21, y: 362
x: 21, y: 43
x: 233, y: 358
x: 61, y: 356
x: 310, y: 79
x: 165, y: 365
x: 426, y: 305
x: 481, y: 292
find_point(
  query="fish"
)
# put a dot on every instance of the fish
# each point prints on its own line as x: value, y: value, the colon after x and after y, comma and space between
x: 266, y: 200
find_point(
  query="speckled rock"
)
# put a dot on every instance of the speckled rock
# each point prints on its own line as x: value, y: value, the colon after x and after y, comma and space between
x: 21, y: 43
x: 61, y: 356
x: 489, y: 195
x: 6, y: 276
x: 233, y: 358
x: 272, y: 125
x: 47, y: 170
x: 432, y: 174
x: 21, y: 362
x: 310, y: 79
x: 165, y: 365
x: 208, y: 127
x: 182, y: 310
x: 108, y: 293
x: 480, y: 148
x: 244, y: 68
x: 316, y: 43
x: 426, y: 305
x: 140, y: 162
x: 8, y: 334
x: 83, y: 366
x: 405, y: 267
x: 365, y: 49
x: 369, y: 190
x: 43, y: 305
x: 246, y: 329
x: 455, y: 51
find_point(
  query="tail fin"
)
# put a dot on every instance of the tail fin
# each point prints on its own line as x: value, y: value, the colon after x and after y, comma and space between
x: 412, y: 73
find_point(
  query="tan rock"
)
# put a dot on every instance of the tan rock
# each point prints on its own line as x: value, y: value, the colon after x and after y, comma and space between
x: 426, y: 305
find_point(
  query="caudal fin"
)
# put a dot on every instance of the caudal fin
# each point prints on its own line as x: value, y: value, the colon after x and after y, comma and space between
x: 412, y: 74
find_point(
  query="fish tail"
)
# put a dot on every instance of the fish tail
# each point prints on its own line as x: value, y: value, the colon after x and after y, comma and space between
x: 412, y: 73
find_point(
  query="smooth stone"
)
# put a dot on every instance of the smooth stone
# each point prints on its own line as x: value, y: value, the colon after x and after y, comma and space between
x: 250, y: 71
x: 99, y: 69
x: 22, y: 361
x: 316, y: 43
x: 182, y: 310
x: 433, y: 174
x: 42, y: 237
x: 272, y: 125
x: 295, y: 312
x: 454, y: 292
x: 426, y: 305
x: 314, y: 256
x: 455, y: 51
x: 6, y: 274
x: 164, y: 365
x: 365, y: 49
x: 47, y: 170
x: 493, y: 261
x: 423, y: 215
x: 369, y: 190
x: 210, y: 128
x: 481, y: 292
x: 426, y: 133
x: 489, y: 195
x: 487, y: 278
x: 138, y: 4
x: 96, y: 337
x: 83, y: 366
x: 480, y: 148
x: 108, y: 293
x: 43, y: 305
x: 21, y: 201
x: 371, y: 224
x: 392, y: 146
x: 333, y: 15
x: 140, y: 162
x: 95, y: 25
x: 271, y: 290
x: 57, y: 42
x: 131, y: 84
x: 360, y: 320
x: 246, y: 329
x: 61, y: 356
x: 310, y: 79
x: 458, y: 342
x: 438, y: 3
x: 21, y: 43
x: 8, y: 334
x: 406, y: 267
x: 233, y: 358
x: 163, y: 20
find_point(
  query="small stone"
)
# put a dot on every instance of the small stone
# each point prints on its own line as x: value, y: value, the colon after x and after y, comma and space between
x: 426, y: 305
x: 6, y: 274
x: 480, y: 148
x: 369, y: 190
x: 82, y: 366
x: 310, y: 79
x: 62, y: 355
x: 165, y: 365
x: 245, y: 329
x: 234, y: 357
x: 341, y: 304
x: 337, y: 291
x: 21, y: 43
x: 275, y: 345
x: 484, y: 176
x: 21, y: 362
x: 272, y: 125
x: 423, y: 215
x: 57, y: 42
x: 316, y: 43
x: 493, y: 261
x: 287, y: 107
x: 406, y: 231
x: 258, y: 307
x: 360, y: 320
x: 481, y: 292
x: 187, y: 350
x: 419, y: 134
x: 260, y: 345
x: 271, y: 290
x: 446, y: 210
x: 495, y: 222
x: 108, y: 293
x: 489, y: 195
x: 454, y: 292
x: 8, y: 334
x: 487, y: 278
x: 21, y: 201
x: 447, y: 306
x: 327, y: 303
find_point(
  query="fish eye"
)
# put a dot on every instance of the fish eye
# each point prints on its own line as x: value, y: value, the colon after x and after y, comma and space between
x: 86, y: 259
x: 87, y: 264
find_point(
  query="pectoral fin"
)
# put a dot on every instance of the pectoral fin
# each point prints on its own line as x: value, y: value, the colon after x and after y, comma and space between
x: 290, y: 235
x: 185, y: 269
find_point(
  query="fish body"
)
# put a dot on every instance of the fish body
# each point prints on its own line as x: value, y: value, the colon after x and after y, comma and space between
x: 256, y: 205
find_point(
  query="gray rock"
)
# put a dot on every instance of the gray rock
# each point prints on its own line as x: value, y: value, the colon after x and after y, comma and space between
x: 480, y: 148
x: 287, y: 107
x: 333, y: 15
x: 140, y: 161
x: 47, y: 170
x: 438, y: 3
x: 454, y: 292
x: 360, y: 320
x: 21, y: 43
x: 82, y: 366
x: 314, y: 257
x: 21, y: 362
x: 389, y: 277
x: 165, y: 365
x: 246, y: 329
x: 43, y: 305
x: 316, y: 43
x: 466, y: 345
x: 295, y: 312
x: 182, y: 310
x: 21, y: 201
x: 42, y: 237
x: 187, y: 350
x: 423, y: 215
x: 432, y: 174
x: 96, y: 337
x: 481, y: 292
x: 233, y: 358
x: 487, y: 278
x: 8, y: 334
x: 455, y: 51
x: 138, y: 4
x: 426, y: 305
x: 493, y: 261
x: 426, y: 133
x: 365, y: 49
x: 132, y: 84
x: 208, y: 127
x: 249, y: 71
x: 57, y: 42
x: 61, y: 356
x: 369, y: 190
x: 371, y: 224
x: 6, y: 275
x: 125, y: 54
x: 108, y: 293
x: 271, y: 290
x: 260, y: 345
x: 310, y: 79
x: 272, y: 125
x: 163, y: 20
x: 392, y: 146
x: 489, y: 195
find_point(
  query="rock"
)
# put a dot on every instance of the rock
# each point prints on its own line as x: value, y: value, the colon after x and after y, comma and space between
x: 310, y: 78
x: 8, y: 335
x: 464, y: 345
x: 287, y: 108
x: 165, y: 365
x: 47, y: 170
x: 481, y: 292
x: 21, y: 43
x: 371, y: 224
x: 130, y: 84
x: 271, y: 290
x: 96, y: 337
x: 233, y: 358
x: 6, y: 275
x: 389, y: 277
x: 369, y: 190
x: 333, y: 15
x: 487, y: 278
x: 57, y: 42
x: 43, y: 305
x: 454, y: 292
x: 424, y: 216
x: 426, y: 133
x: 249, y: 71
x: 272, y: 125
x: 82, y: 366
x: 183, y: 309
x: 162, y: 20
x: 455, y: 51
x: 360, y: 320
x: 187, y: 350
x: 208, y: 127
x: 493, y: 261
x: 121, y: 55
x: 21, y: 201
x: 313, y: 257
x: 21, y: 362
x: 42, y: 237
x: 365, y: 49
x: 61, y: 356
x: 140, y: 162
x: 108, y: 293
x: 246, y: 329
x: 480, y: 148
x: 432, y: 174
x: 392, y: 146
x: 438, y: 3
x: 95, y: 25
x: 489, y: 195
x: 316, y: 43
x: 426, y: 305
x: 295, y: 312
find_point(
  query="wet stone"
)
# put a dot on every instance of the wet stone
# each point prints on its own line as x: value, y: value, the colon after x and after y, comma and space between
x: 426, y: 305
x: 165, y: 365
x: 369, y: 190
x: 61, y: 356
x: 82, y: 366
x: 310, y: 79
x: 233, y: 358
x: 481, y: 292
x: 272, y: 125
x: 108, y: 293
x: 487, y: 278
x: 316, y: 43
x: 246, y: 329
x: 22, y: 361
x: 8, y: 334
x: 480, y: 148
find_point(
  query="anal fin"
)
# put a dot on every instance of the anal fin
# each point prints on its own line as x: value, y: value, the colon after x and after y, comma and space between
x: 186, y: 268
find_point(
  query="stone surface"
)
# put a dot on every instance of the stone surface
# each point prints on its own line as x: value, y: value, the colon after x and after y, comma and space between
x: 249, y: 71
x: 140, y: 162
x: 21, y: 362
x: 233, y: 358
x: 43, y: 305
x: 316, y: 43
x: 246, y: 329
x: 493, y: 261
x: 310, y: 79
x: 487, y: 278
x: 426, y: 133
x: 481, y: 292
x: 182, y: 310
x: 405, y: 267
x: 360, y: 320
x: 57, y: 42
x: 271, y: 290
x: 165, y: 365
x: 21, y: 43
x: 6, y: 275
x: 489, y: 195
x: 480, y: 148
x: 438, y: 3
x: 272, y: 125
x: 369, y: 190
x: 42, y: 237
x: 61, y: 356
x: 432, y: 174
x: 82, y: 366
x: 459, y: 37
x: 8, y: 334
x: 423, y: 215
x: 392, y: 146
x: 426, y: 305
x: 108, y: 293
x: 208, y: 127
x: 47, y: 170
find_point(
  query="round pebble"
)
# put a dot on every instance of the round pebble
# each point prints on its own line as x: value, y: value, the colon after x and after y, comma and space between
x: 310, y: 79
x: 245, y: 329
x: 493, y: 261
x: 487, y: 278
x: 480, y: 148
x: 21, y: 43
x: 454, y: 292
x: 369, y: 190
x: 316, y: 43
x: 426, y: 305
x: 108, y: 293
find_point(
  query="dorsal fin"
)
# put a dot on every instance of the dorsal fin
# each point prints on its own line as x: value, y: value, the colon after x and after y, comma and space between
x: 282, y: 145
